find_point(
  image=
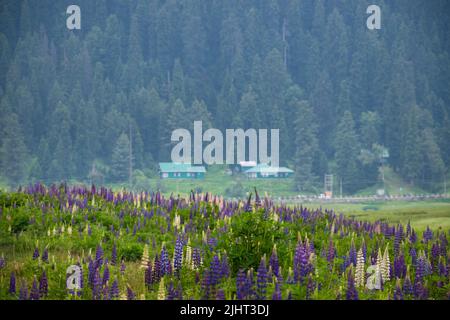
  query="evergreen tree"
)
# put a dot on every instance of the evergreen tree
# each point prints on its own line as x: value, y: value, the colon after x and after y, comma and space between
x: 347, y: 152
x: 120, y: 159
x: 13, y: 152
x: 61, y: 165
x: 306, y: 147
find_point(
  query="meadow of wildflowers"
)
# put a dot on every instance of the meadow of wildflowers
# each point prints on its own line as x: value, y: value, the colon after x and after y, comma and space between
x: 147, y: 246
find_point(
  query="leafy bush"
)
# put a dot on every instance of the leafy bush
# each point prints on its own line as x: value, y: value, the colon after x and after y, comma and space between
x: 131, y: 252
x: 252, y: 236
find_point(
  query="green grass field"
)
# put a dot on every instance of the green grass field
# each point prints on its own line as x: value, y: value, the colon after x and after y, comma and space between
x: 421, y: 214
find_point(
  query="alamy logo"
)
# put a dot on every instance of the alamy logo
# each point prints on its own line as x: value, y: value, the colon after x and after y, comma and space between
x: 374, y: 20
x: 374, y: 280
x: 73, y: 281
x: 236, y: 146
x: 74, y: 20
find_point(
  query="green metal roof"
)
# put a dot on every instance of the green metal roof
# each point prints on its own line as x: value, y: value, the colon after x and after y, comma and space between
x: 264, y: 168
x: 180, y: 167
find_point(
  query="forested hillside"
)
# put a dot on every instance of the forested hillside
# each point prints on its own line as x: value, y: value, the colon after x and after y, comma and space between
x: 337, y: 91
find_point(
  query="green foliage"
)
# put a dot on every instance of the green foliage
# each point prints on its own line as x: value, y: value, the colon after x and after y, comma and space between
x: 252, y: 235
x: 131, y: 252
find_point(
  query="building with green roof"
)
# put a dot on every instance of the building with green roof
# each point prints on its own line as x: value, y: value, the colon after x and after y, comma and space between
x: 176, y: 170
x: 268, y: 172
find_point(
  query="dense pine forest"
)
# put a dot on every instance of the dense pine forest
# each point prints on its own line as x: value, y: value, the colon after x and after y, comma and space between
x: 340, y: 93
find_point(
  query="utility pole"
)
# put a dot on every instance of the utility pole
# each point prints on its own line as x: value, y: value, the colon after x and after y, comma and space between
x: 328, y: 185
x: 130, y: 158
x: 340, y: 187
x: 445, y: 184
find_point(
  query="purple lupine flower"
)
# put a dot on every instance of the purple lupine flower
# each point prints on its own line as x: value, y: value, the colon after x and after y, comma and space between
x: 81, y: 277
x: 156, y: 273
x: 413, y: 237
x: 248, y: 204
x: 352, y: 294
x: 114, y: 255
x: 413, y: 254
x: 12, y: 283
x: 241, y: 281
x: 196, y: 257
x: 43, y: 285
x: 435, y: 253
x: 105, y: 292
x: 331, y: 252
x: 399, y: 266
x: 225, y: 271
x: 408, y: 229
x: 148, y: 275
x: 220, y: 295
x: 261, y: 280
x: 99, y: 256
x: 23, y: 292
x: 407, y: 286
x: 165, y: 261
x: 130, y: 294
x: 215, y: 270
x: 45, y: 256
x: 106, y: 275
x: 420, y: 292
x: 96, y: 286
x: 36, y: 253
x: 91, y: 271
x: 398, y: 294
x: 420, y: 269
x: 364, y: 250
x: 277, y: 292
x: 171, y: 292
x: 2, y: 262
x: 206, y: 284
x: 397, y: 240
x: 427, y: 234
x: 114, y: 291
x: 178, y: 255
x: 34, y: 294
x: 310, y: 287
x: 273, y: 261
x: 301, y: 262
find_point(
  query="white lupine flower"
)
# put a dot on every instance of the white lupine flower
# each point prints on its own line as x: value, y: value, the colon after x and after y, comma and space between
x: 385, y: 266
x: 69, y: 230
x: 188, y: 259
x: 360, y: 272
x: 379, y: 261
x: 145, y: 257
x: 177, y: 221
x: 162, y: 290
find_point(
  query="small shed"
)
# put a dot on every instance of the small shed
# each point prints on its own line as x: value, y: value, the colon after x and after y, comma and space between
x: 266, y: 171
x: 177, y: 170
